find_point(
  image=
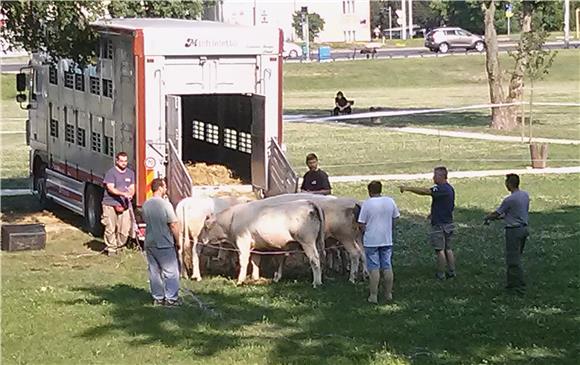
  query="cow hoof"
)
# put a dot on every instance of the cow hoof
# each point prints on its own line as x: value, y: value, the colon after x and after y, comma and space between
x: 196, y: 279
x: 316, y: 285
x: 353, y: 281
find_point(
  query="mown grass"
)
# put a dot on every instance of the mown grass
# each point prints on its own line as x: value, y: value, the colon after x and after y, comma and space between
x: 432, y: 83
x: 369, y: 150
x: 62, y: 308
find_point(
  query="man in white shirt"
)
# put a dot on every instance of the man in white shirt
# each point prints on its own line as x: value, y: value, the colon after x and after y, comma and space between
x: 377, y: 221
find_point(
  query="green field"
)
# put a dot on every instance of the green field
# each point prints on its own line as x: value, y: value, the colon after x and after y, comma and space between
x: 432, y: 83
x: 60, y: 307
x: 370, y: 150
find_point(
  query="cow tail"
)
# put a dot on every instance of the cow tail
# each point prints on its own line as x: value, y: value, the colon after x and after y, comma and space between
x: 356, y: 227
x: 320, y: 245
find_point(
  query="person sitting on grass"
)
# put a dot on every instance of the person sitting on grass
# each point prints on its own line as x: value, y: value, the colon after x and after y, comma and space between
x: 342, y: 105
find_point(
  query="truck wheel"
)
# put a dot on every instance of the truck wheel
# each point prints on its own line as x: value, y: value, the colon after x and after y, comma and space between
x: 93, y: 210
x: 39, y: 185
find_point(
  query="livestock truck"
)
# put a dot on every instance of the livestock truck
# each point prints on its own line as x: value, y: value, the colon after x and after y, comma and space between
x: 164, y: 91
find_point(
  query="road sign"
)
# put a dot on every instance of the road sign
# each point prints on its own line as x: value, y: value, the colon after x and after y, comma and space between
x: 508, y: 11
x: 508, y: 14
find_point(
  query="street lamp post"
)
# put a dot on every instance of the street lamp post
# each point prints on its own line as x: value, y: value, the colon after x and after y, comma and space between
x: 306, y: 31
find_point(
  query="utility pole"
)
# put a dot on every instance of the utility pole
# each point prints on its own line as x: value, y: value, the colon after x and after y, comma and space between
x: 403, y: 19
x: 390, y: 23
x: 305, y: 31
x: 567, y: 23
x: 410, y: 19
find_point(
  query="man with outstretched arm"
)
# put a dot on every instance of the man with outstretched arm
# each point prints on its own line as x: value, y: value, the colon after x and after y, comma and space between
x: 514, y: 210
x: 442, y: 205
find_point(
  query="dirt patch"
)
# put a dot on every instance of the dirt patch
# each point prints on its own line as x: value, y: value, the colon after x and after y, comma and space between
x: 26, y: 210
x: 203, y: 174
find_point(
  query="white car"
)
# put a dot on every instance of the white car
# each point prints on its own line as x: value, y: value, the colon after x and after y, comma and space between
x: 291, y: 50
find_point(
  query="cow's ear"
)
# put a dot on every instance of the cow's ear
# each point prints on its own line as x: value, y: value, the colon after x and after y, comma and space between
x: 209, y: 220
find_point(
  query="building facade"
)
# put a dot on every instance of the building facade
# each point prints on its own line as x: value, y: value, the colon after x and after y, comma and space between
x: 344, y: 20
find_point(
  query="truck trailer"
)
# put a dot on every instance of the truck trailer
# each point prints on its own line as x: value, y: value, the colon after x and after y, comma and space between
x: 164, y: 91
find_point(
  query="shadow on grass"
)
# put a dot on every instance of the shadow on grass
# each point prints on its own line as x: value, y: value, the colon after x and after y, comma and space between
x: 467, y: 319
x: 462, y: 119
x: 15, y: 183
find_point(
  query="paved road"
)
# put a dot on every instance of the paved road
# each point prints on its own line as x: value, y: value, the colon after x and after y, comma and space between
x: 345, y: 54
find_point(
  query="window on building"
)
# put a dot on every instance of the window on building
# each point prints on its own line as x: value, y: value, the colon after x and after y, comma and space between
x: 53, y: 75
x: 108, y: 88
x: 344, y: 7
x: 80, y: 81
x: 245, y: 142
x: 96, y: 141
x: 231, y: 138
x: 95, y: 85
x: 81, y: 137
x: 354, y: 35
x: 69, y: 79
x: 54, y: 128
x: 352, y: 7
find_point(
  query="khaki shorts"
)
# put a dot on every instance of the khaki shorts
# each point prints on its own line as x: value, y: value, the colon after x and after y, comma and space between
x: 440, y: 236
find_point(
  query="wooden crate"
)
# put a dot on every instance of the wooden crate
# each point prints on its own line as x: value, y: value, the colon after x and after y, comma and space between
x: 19, y: 237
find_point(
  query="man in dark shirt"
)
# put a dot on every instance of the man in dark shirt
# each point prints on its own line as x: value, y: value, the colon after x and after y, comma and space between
x: 315, y: 180
x: 119, y: 190
x: 341, y: 104
x: 442, y: 205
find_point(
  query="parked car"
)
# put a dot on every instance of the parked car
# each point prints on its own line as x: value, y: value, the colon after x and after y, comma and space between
x: 443, y: 39
x: 291, y: 50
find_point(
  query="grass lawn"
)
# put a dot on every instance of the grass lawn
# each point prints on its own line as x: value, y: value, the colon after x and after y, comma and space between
x: 369, y: 150
x: 432, y: 83
x: 59, y: 307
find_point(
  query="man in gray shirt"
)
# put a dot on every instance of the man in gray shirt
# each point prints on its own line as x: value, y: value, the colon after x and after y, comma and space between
x: 514, y: 211
x: 160, y: 245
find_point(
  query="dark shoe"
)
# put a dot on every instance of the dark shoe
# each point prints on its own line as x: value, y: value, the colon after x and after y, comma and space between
x: 450, y: 274
x: 440, y: 276
x: 173, y: 303
x: 158, y: 302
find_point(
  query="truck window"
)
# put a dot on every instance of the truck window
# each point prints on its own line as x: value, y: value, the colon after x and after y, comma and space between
x: 69, y: 80
x: 53, y: 75
x: 54, y: 128
x: 80, y: 81
x: 95, y: 87
x: 108, y: 88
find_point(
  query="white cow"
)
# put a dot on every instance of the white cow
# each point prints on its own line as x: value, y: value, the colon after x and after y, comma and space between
x: 261, y: 225
x: 191, y: 214
x: 340, y: 216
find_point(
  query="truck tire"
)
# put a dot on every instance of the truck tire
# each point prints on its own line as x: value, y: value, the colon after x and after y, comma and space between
x: 93, y: 210
x: 39, y: 185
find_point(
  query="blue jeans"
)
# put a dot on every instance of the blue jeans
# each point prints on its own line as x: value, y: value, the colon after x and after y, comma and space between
x: 379, y: 257
x: 163, y: 272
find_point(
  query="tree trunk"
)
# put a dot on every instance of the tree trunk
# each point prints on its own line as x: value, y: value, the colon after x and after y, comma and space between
x: 516, y: 86
x: 496, y: 92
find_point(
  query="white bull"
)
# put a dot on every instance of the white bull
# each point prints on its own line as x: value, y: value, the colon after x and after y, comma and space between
x: 191, y: 214
x: 340, y: 216
x: 263, y: 226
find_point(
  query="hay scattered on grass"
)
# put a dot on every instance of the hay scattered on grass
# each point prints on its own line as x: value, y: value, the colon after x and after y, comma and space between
x: 203, y: 174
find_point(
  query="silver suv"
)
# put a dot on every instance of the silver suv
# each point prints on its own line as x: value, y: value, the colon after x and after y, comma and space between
x: 443, y: 39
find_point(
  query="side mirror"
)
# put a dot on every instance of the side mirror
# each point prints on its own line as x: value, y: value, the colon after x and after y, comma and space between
x: 21, y: 82
x: 21, y: 98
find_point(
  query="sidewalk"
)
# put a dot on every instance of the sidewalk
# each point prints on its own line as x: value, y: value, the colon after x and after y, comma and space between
x: 481, y: 136
x: 458, y: 174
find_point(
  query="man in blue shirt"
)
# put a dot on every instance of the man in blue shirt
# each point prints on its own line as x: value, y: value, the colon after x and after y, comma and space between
x: 442, y: 205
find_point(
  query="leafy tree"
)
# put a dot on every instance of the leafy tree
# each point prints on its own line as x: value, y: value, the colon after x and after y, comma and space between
x: 61, y: 28
x: 315, y: 24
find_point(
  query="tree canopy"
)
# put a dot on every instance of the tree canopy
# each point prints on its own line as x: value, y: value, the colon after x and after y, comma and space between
x: 61, y: 28
x: 315, y: 24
